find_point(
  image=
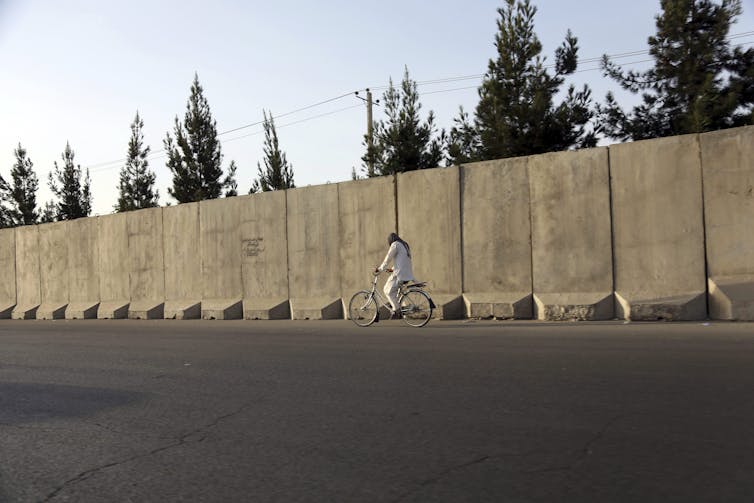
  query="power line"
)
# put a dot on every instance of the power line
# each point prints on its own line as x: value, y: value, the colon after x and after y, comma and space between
x: 105, y: 166
x: 448, y: 90
x: 154, y: 154
x: 158, y: 154
x: 626, y: 54
x: 296, y: 122
x: 600, y: 68
x: 287, y: 113
x: 552, y: 65
x: 739, y: 35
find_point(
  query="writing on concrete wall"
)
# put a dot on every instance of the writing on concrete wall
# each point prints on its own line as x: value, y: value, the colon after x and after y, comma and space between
x: 252, y: 247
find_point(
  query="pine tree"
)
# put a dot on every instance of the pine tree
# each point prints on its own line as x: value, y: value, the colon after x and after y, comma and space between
x: 195, y: 155
x: 278, y: 172
x: 136, y: 188
x: 230, y: 184
x: 6, y: 212
x: 516, y: 115
x: 74, y: 198
x: 255, y: 187
x: 463, y: 140
x: 48, y: 213
x: 402, y: 142
x: 697, y: 83
x: 24, y: 190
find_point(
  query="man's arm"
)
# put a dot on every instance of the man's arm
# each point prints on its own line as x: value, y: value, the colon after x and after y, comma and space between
x: 390, y: 256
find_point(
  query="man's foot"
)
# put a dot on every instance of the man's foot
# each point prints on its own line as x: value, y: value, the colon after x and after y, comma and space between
x: 395, y: 316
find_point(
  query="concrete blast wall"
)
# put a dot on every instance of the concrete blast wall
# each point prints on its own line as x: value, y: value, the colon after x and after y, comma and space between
x: 146, y: 269
x: 112, y: 248
x: 728, y: 174
x: 658, y: 229
x: 571, y: 248
x: 7, y: 272
x: 314, y: 252
x: 83, y: 264
x: 53, y: 264
x: 264, y: 256
x: 220, y: 243
x: 183, y: 262
x: 429, y: 217
x: 496, y: 239
x: 367, y: 217
x: 28, y: 294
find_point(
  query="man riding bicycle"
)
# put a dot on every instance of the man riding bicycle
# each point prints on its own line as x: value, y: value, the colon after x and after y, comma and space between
x: 400, y: 254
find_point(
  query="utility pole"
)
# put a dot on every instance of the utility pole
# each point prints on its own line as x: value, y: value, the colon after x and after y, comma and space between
x: 370, y: 135
x: 370, y: 131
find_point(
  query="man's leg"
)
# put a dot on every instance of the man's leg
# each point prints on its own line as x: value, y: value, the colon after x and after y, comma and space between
x: 391, y: 291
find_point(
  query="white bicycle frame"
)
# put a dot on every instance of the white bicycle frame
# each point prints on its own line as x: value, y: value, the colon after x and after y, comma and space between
x: 402, y: 291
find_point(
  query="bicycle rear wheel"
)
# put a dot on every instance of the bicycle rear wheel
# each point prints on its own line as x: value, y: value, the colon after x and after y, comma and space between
x: 362, y: 309
x: 416, y: 308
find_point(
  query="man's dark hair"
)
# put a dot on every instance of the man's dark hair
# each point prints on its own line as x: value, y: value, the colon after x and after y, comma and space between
x: 393, y: 237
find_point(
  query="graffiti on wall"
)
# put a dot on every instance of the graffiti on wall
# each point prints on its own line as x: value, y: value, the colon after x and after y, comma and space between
x: 253, y: 247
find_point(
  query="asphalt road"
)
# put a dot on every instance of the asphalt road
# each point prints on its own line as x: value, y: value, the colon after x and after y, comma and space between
x: 325, y: 411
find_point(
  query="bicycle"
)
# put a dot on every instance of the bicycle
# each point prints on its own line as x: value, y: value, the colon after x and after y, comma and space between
x: 416, y: 304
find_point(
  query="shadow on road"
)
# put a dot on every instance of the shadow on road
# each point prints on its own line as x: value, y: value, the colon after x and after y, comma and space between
x: 30, y: 402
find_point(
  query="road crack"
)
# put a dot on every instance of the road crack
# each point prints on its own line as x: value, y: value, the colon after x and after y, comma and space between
x: 584, y: 452
x: 186, y: 438
x: 441, y: 475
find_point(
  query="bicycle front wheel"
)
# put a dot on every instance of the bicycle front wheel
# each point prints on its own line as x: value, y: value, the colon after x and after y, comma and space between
x: 362, y: 309
x: 416, y: 308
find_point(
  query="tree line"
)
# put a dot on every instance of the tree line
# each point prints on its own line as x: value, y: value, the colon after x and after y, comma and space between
x: 698, y: 83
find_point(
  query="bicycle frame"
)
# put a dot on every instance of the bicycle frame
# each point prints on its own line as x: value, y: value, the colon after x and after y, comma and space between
x: 402, y: 291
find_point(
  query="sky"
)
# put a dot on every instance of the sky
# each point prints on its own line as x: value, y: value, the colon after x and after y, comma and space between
x: 78, y: 71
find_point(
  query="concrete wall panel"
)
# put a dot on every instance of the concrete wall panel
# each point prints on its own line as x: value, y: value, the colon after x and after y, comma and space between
x: 429, y: 219
x: 146, y: 267
x: 496, y: 239
x: 183, y: 263
x: 53, y: 265
x: 7, y: 272
x: 367, y: 216
x: 728, y: 175
x: 658, y: 229
x: 264, y: 263
x: 112, y: 239
x: 83, y: 265
x: 314, y: 252
x: 28, y: 292
x: 571, y: 247
x: 479, y: 235
x: 220, y: 244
